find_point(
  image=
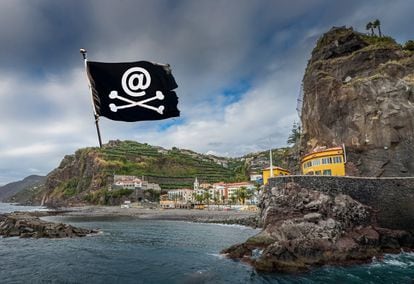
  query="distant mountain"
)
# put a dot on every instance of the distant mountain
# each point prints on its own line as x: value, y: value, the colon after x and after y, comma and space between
x: 29, y: 183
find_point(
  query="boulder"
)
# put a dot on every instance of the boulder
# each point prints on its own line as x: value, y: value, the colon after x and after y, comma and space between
x: 26, y: 225
x: 335, y: 229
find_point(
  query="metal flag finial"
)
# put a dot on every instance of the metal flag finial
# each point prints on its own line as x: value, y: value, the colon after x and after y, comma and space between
x: 83, y: 52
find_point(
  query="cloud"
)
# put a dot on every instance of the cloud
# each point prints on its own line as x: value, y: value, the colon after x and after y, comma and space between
x: 238, y: 63
x: 43, y: 120
x: 31, y: 150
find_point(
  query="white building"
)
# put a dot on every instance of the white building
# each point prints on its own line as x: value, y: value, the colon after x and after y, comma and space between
x: 184, y: 195
x: 197, y: 188
x: 218, y: 190
x: 233, y: 187
x: 127, y: 182
x: 256, y: 177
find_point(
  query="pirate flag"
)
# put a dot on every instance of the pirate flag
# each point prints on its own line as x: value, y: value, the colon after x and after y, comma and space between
x: 133, y: 91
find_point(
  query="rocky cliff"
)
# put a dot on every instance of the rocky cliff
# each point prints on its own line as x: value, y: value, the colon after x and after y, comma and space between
x: 359, y: 90
x: 303, y: 228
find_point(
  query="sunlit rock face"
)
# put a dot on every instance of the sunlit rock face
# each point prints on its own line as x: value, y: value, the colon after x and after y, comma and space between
x: 359, y: 91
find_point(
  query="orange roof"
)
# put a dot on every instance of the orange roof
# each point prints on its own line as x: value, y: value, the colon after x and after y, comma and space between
x: 276, y: 168
x: 238, y: 183
x: 323, y: 151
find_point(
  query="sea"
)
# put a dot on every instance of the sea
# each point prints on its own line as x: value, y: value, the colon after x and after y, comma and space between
x: 130, y: 250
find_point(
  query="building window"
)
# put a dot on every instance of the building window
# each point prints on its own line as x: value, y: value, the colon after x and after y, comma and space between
x: 326, y: 161
x: 317, y: 173
x: 316, y: 162
x: 337, y: 160
x: 327, y: 172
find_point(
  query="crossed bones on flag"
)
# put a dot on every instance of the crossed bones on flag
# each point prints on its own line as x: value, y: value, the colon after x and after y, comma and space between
x: 133, y: 84
x: 158, y: 96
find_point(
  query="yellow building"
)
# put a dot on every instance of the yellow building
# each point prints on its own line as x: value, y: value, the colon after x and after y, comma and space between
x: 327, y: 162
x: 277, y: 171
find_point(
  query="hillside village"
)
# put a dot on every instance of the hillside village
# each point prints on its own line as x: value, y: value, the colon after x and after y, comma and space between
x: 200, y: 196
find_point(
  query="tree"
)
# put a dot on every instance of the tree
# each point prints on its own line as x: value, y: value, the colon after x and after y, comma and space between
x: 370, y: 26
x: 242, y: 194
x: 207, y: 197
x: 199, y: 198
x: 377, y: 24
x: 294, y: 136
x: 233, y: 199
x: 409, y: 45
x: 216, y: 200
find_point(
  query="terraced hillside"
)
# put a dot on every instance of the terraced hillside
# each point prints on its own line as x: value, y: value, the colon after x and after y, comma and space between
x: 170, y: 168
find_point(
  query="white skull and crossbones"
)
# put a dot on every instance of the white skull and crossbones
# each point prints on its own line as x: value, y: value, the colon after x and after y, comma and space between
x: 134, y: 83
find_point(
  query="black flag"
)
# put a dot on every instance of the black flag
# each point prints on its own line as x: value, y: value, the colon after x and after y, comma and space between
x: 133, y: 91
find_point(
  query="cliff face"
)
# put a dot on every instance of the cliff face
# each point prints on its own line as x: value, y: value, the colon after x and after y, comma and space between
x: 359, y: 90
x: 75, y: 177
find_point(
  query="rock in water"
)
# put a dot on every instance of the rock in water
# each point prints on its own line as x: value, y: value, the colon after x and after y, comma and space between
x: 305, y: 228
x: 24, y: 225
x: 359, y: 90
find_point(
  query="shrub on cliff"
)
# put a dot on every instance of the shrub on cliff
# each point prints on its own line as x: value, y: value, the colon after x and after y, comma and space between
x: 409, y: 45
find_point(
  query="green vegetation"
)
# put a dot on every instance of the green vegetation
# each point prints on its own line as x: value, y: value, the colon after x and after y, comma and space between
x: 105, y: 197
x: 170, y: 168
x: 380, y: 41
x: 377, y: 24
x: 409, y: 45
x: 294, y: 136
x: 70, y: 187
x: 242, y: 194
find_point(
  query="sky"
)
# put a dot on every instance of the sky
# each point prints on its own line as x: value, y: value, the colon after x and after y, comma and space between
x: 238, y: 64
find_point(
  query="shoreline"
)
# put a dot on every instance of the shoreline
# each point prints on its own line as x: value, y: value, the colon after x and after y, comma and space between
x: 244, y: 218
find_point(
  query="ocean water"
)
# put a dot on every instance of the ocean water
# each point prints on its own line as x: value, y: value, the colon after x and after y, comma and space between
x: 146, y: 251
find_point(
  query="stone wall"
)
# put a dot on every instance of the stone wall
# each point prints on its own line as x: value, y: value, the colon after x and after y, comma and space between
x: 392, y: 198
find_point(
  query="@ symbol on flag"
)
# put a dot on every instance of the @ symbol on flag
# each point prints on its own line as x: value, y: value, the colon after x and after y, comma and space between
x: 134, y: 83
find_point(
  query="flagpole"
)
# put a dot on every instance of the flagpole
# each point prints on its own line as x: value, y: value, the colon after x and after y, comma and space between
x: 85, y: 58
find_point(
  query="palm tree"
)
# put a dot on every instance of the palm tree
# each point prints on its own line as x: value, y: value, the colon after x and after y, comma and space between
x: 377, y: 24
x: 370, y: 26
x: 233, y: 199
x: 199, y: 198
x: 207, y: 197
x: 242, y: 194
x: 216, y: 200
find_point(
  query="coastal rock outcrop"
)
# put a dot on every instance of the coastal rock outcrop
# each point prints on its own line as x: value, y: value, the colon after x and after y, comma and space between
x: 359, y: 90
x: 304, y: 228
x: 25, y: 225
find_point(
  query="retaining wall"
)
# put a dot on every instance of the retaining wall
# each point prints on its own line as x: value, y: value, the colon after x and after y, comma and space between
x: 393, y: 198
